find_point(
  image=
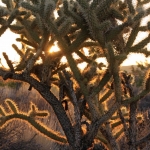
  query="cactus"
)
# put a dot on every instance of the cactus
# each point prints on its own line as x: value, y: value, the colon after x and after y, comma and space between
x: 108, y: 29
x: 30, y: 118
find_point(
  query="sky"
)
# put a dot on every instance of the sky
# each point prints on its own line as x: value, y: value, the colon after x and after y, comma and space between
x: 8, y: 38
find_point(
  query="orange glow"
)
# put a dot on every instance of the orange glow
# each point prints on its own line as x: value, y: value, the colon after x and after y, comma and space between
x: 54, y: 48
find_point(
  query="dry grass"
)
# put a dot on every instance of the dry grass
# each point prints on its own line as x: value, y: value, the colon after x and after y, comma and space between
x: 25, y: 135
x: 23, y: 97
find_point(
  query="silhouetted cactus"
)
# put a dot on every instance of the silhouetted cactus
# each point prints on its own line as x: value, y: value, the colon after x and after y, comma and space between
x: 107, y: 29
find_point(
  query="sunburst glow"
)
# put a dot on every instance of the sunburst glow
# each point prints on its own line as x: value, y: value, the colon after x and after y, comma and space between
x: 54, y: 48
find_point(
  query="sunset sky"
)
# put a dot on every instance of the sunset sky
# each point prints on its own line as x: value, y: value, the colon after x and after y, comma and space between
x: 7, y: 39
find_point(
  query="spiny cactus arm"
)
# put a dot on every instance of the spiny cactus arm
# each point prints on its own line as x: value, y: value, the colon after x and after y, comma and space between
x: 117, y: 135
x: 110, y: 136
x: 117, y: 14
x: 30, y: 7
x: 61, y: 43
x: 22, y: 13
x: 104, y: 140
x: 144, y: 51
x: 89, y: 72
x: 140, y: 45
x: 101, y: 84
x: 106, y: 96
x: 108, y: 131
x: 123, y: 121
x: 132, y: 131
x: 141, y: 13
x: 83, y: 57
x: 61, y: 32
x: 76, y: 44
x: 27, y: 42
x: 72, y: 62
x: 38, y: 21
x: 4, y: 11
x: 94, y: 4
x: 62, y: 17
x: 41, y: 6
x: 36, y: 56
x: 10, y: 19
x: 37, y: 125
x: 77, y: 126
x: 144, y: 28
x: 24, y: 61
x: 113, y: 32
x: 65, y: 27
x: 132, y: 37
x: 147, y: 80
x: 77, y: 19
x: 95, y: 125
x: 9, y: 63
x: 103, y: 9
x: 140, y: 3
x: 34, y: 112
x: 49, y: 7
x: 114, y: 69
x: 83, y: 87
x: 108, y: 114
x: 77, y: 74
x: 99, y: 135
x: 104, y: 26
x: 12, y: 106
x: 69, y: 85
x: 13, y: 15
x: 117, y: 117
x: 2, y: 21
x: 135, y: 98
x: 132, y: 126
x: 61, y: 87
x: 92, y: 22
x: 147, y: 12
x: 51, y: 26
x: 19, y: 52
x: 51, y: 99
x: 9, y: 4
x: 84, y: 4
x: 16, y: 28
x: 3, y: 29
x: 31, y: 34
x: 117, y: 123
x: 130, y: 6
x: 2, y: 111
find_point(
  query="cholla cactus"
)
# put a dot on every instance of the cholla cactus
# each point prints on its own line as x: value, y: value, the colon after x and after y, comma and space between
x: 107, y: 29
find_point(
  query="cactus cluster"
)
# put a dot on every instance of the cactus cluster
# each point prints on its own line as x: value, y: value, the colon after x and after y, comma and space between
x: 107, y: 29
x: 29, y: 117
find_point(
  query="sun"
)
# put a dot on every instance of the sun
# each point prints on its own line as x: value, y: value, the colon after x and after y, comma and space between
x: 54, y: 48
